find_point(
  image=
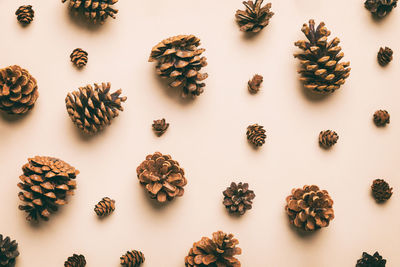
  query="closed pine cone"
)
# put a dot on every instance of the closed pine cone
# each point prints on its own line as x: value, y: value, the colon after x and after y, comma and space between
x: 381, y: 190
x: 18, y: 90
x: 380, y: 8
x: 79, y: 57
x: 8, y: 251
x: 162, y: 177
x: 256, y: 134
x: 381, y: 117
x: 385, y: 55
x: 220, y: 251
x: 91, y: 109
x: 46, y: 183
x: 179, y: 59
x: 25, y: 14
x: 238, y: 198
x: 255, y: 83
x: 96, y: 11
x: 320, y: 69
x: 105, y: 207
x: 75, y: 261
x: 132, y: 258
x: 309, y: 208
x: 328, y: 138
x: 160, y: 126
x: 255, y: 17
x: 367, y: 260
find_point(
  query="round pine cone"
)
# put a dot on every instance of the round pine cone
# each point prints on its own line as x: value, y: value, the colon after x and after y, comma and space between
x: 380, y: 8
x: 25, y: 14
x: 320, y: 70
x: 79, y: 57
x: 75, y: 261
x: 328, y: 138
x: 381, y: 117
x: 309, y: 208
x: 179, y: 59
x: 255, y: 83
x: 91, y: 109
x: 46, y: 183
x: 160, y: 126
x: 96, y: 11
x: 218, y: 251
x: 238, y: 198
x: 385, y: 55
x: 8, y: 251
x: 367, y: 260
x: 18, y: 90
x: 162, y: 177
x: 105, y: 207
x: 132, y: 258
x: 255, y: 17
x: 256, y: 134
x: 381, y: 190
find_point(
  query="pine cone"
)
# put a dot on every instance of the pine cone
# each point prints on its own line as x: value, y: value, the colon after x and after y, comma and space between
x: 328, y: 138
x: 309, y: 208
x: 380, y: 8
x: 371, y: 261
x: 46, y: 183
x: 91, y: 109
x: 381, y: 117
x: 385, y: 55
x: 75, y: 261
x: 218, y: 251
x: 132, y: 258
x: 256, y: 134
x: 8, y: 251
x: 162, y: 177
x: 255, y: 83
x: 25, y: 14
x: 238, y: 198
x: 79, y: 57
x: 105, y: 207
x: 179, y: 59
x: 160, y: 126
x: 255, y: 17
x: 381, y: 190
x: 18, y: 90
x: 96, y: 11
x: 320, y: 69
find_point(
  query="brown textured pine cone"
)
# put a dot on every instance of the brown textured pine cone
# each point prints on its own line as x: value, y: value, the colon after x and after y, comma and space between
x: 96, y: 11
x: 385, y: 55
x: 105, y: 207
x: 75, y: 261
x: 18, y: 90
x: 179, y: 59
x: 256, y: 134
x: 162, y: 177
x: 380, y: 8
x: 320, y: 70
x: 91, y: 109
x: 381, y: 117
x: 220, y: 251
x: 79, y: 57
x: 381, y: 190
x: 46, y: 183
x: 367, y: 260
x: 255, y: 83
x: 160, y: 126
x: 132, y: 258
x: 255, y: 17
x: 25, y: 14
x: 309, y: 208
x: 327, y: 138
x: 238, y: 198
x: 8, y: 251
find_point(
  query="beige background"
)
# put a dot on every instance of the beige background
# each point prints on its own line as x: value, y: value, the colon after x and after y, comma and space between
x: 207, y: 136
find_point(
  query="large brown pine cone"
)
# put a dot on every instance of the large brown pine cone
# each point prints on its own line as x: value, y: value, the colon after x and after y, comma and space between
x: 238, y: 198
x: 328, y: 138
x: 162, y: 177
x: 25, y: 14
x: 75, y: 261
x: 381, y: 117
x: 18, y: 90
x: 96, y: 11
x: 46, y: 183
x: 320, y: 70
x: 179, y: 59
x: 309, y: 208
x: 255, y: 17
x: 367, y: 260
x: 8, y: 251
x: 91, y: 109
x: 381, y: 190
x: 105, y: 207
x: 220, y: 251
x: 380, y: 8
x: 256, y: 134
x: 132, y: 258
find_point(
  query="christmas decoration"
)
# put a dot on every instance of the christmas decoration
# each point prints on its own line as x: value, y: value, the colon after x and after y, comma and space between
x: 105, y: 207
x: 255, y: 17
x: 381, y: 190
x: 238, y: 198
x: 132, y: 258
x: 96, y: 11
x: 79, y: 57
x: 25, y: 14
x: 256, y: 134
x: 328, y: 138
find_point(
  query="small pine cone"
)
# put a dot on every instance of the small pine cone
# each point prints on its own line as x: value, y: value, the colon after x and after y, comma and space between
x: 255, y: 17
x: 367, y: 260
x: 309, y: 208
x: 256, y: 134
x: 75, y: 261
x: 255, y: 83
x: 160, y: 126
x: 380, y: 8
x: 385, y: 55
x: 238, y: 198
x: 8, y: 251
x: 25, y: 14
x: 328, y: 138
x: 218, y: 251
x: 96, y: 11
x: 381, y: 117
x: 320, y: 70
x: 105, y: 207
x: 46, y: 183
x: 179, y: 59
x: 91, y: 109
x: 132, y: 258
x: 381, y: 190
x: 79, y: 57
x: 18, y: 90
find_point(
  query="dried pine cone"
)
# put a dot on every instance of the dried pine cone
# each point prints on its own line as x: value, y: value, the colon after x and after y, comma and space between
x: 162, y: 177
x: 18, y: 90
x: 179, y: 59
x: 309, y: 208
x: 380, y: 8
x: 79, y: 57
x: 367, y: 260
x: 256, y: 134
x: 255, y: 83
x: 160, y: 126
x: 320, y: 69
x: 105, y: 207
x: 46, y: 183
x: 96, y: 11
x: 255, y: 17
x: 381, y: 117
x: 220, y: 251
x: 75, y: 261
x: 327, y: 138
x: 385, y: 55
x: 132, y: 258
x: 8, y: 251
x: 25, y: 14
x: 381, y: 190
x: 91, y: 109
x: 238, y: 198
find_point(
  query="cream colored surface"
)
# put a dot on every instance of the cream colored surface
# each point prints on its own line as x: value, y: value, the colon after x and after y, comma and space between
x: 207, y: 136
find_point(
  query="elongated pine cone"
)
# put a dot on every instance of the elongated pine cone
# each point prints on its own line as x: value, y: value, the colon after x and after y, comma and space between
x: 160, y: 126
x: 220, y: 251
x: 309, y: 208
x: 75, y: 261
x: 91, y: 109
x: 179, y: 59
x: 380, y: 8
x: 162, y: 177
x: 96, y: 11
x: 256, y: 134
x: 79, y: 57
x: 320, y: 69
x: 367, y: 260
x: 238, y: 198
x: 18, y: 90
x: 132, y: 258
x: 46, y: 183
x: 25, y: 14
x: 381, y: 190
x: 381, y: 117
x: 8, y: 251
x: 385, y: 55
x: 255, y: 17
x: 105, y: 207
x: 328, y: 138
x: 255, y: 83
